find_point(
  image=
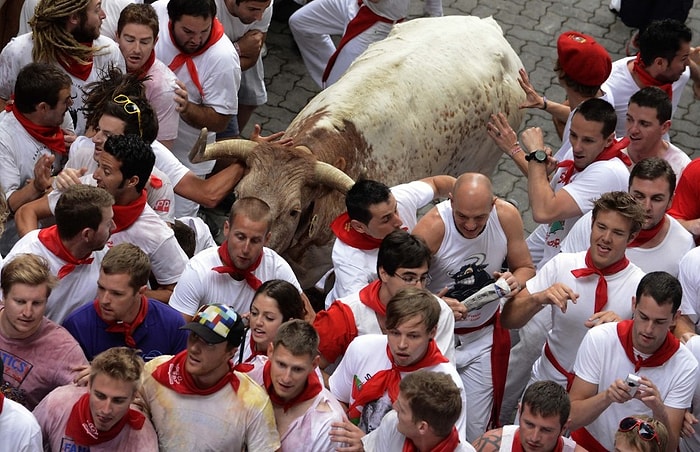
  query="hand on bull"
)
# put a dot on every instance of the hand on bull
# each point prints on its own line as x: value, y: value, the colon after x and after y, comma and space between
x: 274, y: 138
x: 502, y: 133
x: 532, y: 99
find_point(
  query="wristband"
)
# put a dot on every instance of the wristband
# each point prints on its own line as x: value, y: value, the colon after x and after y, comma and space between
x: 544, y: 103
x: 516, y: 149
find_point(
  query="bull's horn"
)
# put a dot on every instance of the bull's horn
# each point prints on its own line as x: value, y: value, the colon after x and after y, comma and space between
x: 237, y: 149
x: 332, y: 177
x: 197, y: 151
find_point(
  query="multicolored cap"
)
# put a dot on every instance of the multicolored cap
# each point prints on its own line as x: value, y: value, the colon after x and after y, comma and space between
x: 214, y: 323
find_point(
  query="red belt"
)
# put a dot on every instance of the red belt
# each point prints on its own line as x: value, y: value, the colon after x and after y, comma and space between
x: 550, y: 356
x: 490, y: 321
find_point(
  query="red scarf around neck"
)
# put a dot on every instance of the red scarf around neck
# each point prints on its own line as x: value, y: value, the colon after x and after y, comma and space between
x: 647, y: 234
x: 369, y: 296
x: 50, y: 239
x: 82, y: 429
x: 172, y: 374
x: 347, y: 234
x: 448, y: 444
x: 236, y: 273
x: 660, y: 356
x: 125, y: 327
x: 217, y: 31
x: 388, y: 380
x: 601, y: 290
x: 609, y: 153
x: 312, y: 389
x: 646, y: 79
x: 518, y: 447
x: 51, y: 137
x: 73, y: 67
x: 125, y: 216
x: 143, y: 70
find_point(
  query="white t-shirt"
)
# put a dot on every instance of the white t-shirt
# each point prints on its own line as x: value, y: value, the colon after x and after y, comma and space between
x: 200, y: 285
x: 601, y: 360
x: 692, y: 443
x: 25, y: 433
x: 160, y: 92
x: 355, y: 268
x: 622, y: 86
x: 18, y: 53
x: 689, y: 277
x: 234, y: 28
x: 662, y: 257
x: 568, y: 328
x: 675, y: 157
x: 366, y: 356
x: 73, y: 290
x: 388, y: 438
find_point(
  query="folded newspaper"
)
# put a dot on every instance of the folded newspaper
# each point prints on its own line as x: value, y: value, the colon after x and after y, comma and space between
x: 487, y: 294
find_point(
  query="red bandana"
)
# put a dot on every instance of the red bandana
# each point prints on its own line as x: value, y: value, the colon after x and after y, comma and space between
x: 217, y: 31
x: 125, y: 216
x: 143, y: 70
x: 364, y: 19
x: 601, y: 290
x: 388, y: 380
x: 311, y: 390
x: 347, y: 234
x: 610, y: 152
x: 639, y: 68
x: 73, y: 67
x: 369, y: 296
x: 518, y: 447
x: 235, y: 272
x: 50, y: 239
x: 647, y: 234
x: 51, y: 137
x: 660, y: 356
x: 173, y: 375
x: 82, y: 428
x: 449, y: 444
x: 125, y: 327
x: 584, y: 439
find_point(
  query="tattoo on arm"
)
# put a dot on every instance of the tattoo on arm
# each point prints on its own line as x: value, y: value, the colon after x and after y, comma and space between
x: 488, y: 442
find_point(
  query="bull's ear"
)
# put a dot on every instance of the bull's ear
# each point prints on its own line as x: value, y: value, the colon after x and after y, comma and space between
x: 340, y: 163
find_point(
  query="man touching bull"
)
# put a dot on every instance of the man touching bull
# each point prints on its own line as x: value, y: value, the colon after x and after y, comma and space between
x: 373, y: 211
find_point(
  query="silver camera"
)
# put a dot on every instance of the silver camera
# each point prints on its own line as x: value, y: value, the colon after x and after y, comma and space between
x: 633, y: 381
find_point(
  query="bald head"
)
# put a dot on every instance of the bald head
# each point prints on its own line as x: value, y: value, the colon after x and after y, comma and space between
x: 472, y: 201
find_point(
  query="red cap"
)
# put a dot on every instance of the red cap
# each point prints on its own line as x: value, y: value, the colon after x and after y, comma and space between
x: 583, y: 59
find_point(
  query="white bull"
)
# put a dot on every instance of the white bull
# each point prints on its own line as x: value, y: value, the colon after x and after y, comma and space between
x: 413, y: 105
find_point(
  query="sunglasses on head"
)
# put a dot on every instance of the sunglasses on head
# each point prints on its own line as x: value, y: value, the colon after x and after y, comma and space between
x: 644, y: 429
x: 131, y: 108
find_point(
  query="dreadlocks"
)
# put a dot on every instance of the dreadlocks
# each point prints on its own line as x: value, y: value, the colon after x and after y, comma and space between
x: 52, y: 41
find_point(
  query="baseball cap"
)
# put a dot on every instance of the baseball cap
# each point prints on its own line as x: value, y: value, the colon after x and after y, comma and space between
x: 216, y: 323
x: 583, y: 59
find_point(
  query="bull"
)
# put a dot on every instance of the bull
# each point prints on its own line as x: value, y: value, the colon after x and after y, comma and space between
x: 413, y: 105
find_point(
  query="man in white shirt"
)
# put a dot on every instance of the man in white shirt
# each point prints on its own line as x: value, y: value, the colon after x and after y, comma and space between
x: 666, y: 372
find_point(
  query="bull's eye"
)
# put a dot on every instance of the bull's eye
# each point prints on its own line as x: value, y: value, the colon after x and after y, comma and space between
x: 294, y: 213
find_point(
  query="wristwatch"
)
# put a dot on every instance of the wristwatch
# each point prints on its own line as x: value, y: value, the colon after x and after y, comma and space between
x: 539, y: 156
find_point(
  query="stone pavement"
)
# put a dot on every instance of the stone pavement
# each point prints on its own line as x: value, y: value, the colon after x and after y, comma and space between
x: 531, y: 27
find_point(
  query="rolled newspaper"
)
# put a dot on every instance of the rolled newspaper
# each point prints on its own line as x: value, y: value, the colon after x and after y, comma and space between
x: 487, y: 294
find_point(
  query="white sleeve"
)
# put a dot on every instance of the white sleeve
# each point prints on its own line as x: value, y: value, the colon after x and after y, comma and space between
x: 168, y: 261
x: 596, y: 179
x: 10, y: 177
x: 689, y: 278
x: 168, y: 163
x: 341, y: 382
x: 409, y: 198
x: 379, y: 439
x: 188, y: 292
x: 588, y: 362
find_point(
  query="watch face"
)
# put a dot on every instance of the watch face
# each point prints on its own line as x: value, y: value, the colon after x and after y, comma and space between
x: 541, y: 156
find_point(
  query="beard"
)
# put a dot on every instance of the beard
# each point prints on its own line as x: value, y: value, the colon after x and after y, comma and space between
x: 84, y: 33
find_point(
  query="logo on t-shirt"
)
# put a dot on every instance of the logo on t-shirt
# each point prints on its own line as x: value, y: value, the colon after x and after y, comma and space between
x: 68, y: 445
x: 16, y: 368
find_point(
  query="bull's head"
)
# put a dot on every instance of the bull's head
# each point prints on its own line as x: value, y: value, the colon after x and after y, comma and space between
x: 303, y: 193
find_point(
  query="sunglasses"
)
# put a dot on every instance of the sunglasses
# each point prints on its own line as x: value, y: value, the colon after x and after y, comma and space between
x: 131, y: 108
x: 645, y: 430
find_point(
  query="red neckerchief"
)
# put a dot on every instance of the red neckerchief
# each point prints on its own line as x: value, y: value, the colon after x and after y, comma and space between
x: 658, y: 358
x: 610, y: 152
x: 125, y: 327
x: 125, y: 216
x: 75, y: 68
x: 369, y: 296
x: 143, y: 70
x: 311, y: 390
x: 601, y: 290
x: 347, y: 234
x: 640, y: 69
x: 518, y: 447
x: 449, y: 444
x: 235, y: 272
x: 172, y: 374
x: 254, y: 350
x: 51, y: 137
x: 82, y: 428
x: 364, y: 19
x: 2, y: 401
x: 50, y: 239
x: 388, y: 380
x: 647, y: 234
x: 217, y: 31
x: 584, y: 439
